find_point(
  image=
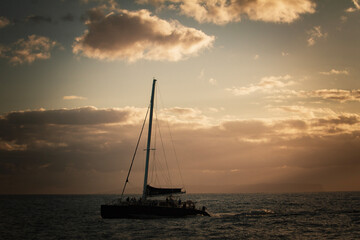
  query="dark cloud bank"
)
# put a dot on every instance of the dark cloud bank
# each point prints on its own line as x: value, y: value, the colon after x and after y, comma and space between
x: 88, y: 150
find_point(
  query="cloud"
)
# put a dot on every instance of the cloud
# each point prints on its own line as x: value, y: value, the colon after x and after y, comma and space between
x: 222, y: 12
x: 4, y: 22
x: 346, y: 119
x: 38, y: 19
x: 276, y: 88
x: 63, y: 150
x: 343, y: 19
x: 314, y: 35
x: 108, y: 3
x: 72, y: 97
x: 28, y: 50
x: 3, y: 50
x: 267, y: 84
x: 335, y: 72
x: 201, y: 74
x: 134, y: 35
x: 336, y: 94
x: 76, y: 116
x: 355, y: 8
x: 188, y: 116
x: 339, y: 95
x: 213, y: 81
x: 303, y: 112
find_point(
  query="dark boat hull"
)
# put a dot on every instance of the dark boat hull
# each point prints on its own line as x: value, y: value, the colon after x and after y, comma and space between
x: 144, y: 211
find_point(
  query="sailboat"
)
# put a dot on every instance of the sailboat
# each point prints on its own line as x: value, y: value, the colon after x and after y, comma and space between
x: 145, y: 207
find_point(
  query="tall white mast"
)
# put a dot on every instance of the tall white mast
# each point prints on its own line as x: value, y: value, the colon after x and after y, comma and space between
x: 149, y: 139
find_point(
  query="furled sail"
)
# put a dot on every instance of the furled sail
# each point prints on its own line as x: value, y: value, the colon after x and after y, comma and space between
x: 153, y: 191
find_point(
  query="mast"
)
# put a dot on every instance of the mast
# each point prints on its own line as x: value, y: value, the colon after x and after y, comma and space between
x: 149, y: 139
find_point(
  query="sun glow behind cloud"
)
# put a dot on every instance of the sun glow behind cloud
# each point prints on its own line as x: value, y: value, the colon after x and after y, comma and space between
x: 110, y: 132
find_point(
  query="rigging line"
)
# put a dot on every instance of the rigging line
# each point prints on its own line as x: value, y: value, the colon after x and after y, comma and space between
x: 152, y: 167
x: 154, y: 160
x: 163, y: 149
x: 172, y: 141
x: 158, y: 122
x: 176, y: 158
x: 132, y: 161
x: 167, y: 178
x: 161, y: 167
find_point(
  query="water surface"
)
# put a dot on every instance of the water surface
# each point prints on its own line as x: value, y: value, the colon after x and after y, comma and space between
x: 234, y: 216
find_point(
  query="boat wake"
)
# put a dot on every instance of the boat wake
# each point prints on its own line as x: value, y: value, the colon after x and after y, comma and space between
x: 256, y: 212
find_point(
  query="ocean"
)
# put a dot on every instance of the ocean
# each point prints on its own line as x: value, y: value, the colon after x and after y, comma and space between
x: 325, y: 215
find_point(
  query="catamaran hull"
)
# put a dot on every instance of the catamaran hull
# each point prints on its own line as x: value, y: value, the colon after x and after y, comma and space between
x: 138, y: 211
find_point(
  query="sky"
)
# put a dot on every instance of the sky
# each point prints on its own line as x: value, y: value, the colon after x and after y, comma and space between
x: 260, y: 95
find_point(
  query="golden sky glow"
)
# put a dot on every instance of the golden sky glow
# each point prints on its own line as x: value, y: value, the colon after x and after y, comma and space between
x: 260, y: 95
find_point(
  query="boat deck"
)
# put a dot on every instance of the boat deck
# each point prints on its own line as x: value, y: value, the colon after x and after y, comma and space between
x: 132, y: 208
